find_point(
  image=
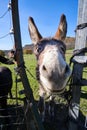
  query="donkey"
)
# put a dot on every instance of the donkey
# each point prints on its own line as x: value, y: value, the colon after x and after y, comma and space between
x: 5, y: 85
x: 52, y: 71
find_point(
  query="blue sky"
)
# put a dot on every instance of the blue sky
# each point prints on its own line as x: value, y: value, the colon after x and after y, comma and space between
x: 46, y: 14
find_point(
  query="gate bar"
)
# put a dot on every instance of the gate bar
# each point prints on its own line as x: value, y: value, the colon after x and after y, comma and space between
x: 20, y: 64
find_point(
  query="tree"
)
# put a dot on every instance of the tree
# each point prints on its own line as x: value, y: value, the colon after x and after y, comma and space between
x: 2, y: 53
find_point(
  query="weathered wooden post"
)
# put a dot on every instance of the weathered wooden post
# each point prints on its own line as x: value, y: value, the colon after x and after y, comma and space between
x: 21, y: 68
x: 81, y: 42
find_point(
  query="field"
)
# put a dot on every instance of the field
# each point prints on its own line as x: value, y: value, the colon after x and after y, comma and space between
x: 30, y: 63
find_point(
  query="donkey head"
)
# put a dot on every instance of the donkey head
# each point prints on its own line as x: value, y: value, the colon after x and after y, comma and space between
x: 53, y: 71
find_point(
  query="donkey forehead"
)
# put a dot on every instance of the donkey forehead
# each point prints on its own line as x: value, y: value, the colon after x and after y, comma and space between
x: 51, y: 43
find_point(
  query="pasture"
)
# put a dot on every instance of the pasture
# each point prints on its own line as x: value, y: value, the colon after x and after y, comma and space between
x: 30, y: 66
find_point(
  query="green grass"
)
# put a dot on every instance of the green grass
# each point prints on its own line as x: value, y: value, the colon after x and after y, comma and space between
x: 30, y: 63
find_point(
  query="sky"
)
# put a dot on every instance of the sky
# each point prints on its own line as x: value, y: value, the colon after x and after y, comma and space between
x: 46, y: 14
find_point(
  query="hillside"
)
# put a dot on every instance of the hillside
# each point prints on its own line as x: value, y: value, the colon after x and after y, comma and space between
x: 69, y: 41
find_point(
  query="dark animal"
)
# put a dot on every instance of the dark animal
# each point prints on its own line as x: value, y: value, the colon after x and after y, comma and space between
x: 5, y: 84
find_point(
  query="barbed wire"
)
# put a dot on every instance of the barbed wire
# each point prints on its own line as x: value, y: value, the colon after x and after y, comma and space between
x: 4, y: 36
x: 10, y: 23
x: 4, y: 14
x: 9, y: 8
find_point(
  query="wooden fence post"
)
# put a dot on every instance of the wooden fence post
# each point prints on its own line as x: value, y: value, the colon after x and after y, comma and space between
x: 20, y: 64
x: 81, y: 42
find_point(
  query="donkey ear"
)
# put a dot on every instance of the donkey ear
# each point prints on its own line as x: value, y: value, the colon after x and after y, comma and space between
x: 33, y: 30
x: 62, y: 29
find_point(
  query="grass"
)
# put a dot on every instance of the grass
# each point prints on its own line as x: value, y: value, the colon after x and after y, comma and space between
x: 30, y: 63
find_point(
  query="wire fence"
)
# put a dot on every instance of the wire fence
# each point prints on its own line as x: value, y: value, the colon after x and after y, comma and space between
x: 10, y: 29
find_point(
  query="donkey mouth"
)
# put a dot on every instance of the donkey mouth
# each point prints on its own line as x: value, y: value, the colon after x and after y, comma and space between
x: 52, y: 86
x: 58, y: 91
x: 67, y: 71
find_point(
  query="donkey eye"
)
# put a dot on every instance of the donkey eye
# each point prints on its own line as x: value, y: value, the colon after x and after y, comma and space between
x: 62, y: 49
x: 39, y: 49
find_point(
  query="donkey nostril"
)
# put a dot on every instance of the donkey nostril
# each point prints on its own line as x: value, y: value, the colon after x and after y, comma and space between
x: 44, y: 68
x: 67, y: 68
